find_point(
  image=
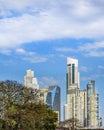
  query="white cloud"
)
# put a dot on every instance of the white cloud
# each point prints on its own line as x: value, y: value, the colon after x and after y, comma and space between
x: 35, y: 59
x: 30, y: 56
x: 101, y: 67
x: 21, y: 51
x: 95, y: 54
x: 5, y: 51
x: 84, y: 78
x: 92, y: 46
x: 65, y: 49
x: 46, y: 81
x: 84, y: 69
x: 27, y: 21
x: 92, y: 49
x: 91, y: 77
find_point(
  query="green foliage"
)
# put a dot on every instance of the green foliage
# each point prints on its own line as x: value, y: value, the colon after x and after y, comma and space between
x: 21, y: 109
x: 1, y: 124
x: 50, y: 120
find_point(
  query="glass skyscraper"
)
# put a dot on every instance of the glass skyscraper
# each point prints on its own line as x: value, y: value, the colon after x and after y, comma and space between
x: 51, y: 97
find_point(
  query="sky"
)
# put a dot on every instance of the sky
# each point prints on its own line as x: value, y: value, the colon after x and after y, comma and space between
x: 40, y: 35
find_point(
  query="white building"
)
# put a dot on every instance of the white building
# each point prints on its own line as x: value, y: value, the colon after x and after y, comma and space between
x: 92, y: 105
x: 80, y: 104
x: 83, y: 101
x: 43, y: 94
x: 72, y: 106
x: 30, y: 81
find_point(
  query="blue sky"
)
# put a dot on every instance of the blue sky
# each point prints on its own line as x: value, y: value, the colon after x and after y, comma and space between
x: 41, y: 34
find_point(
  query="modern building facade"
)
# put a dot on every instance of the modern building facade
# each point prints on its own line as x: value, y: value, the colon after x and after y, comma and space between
x: 92, y: 105
x: 51, y: 96
x: 83, y: 100
x: 43, y: 94
x: 30, y: 81
x: 72, y: 74
x: 72, y: 106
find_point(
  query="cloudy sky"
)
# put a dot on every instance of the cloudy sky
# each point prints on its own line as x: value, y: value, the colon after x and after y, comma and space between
x: 41, y: 34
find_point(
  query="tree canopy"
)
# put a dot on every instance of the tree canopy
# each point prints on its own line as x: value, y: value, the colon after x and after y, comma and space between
x: 21, y: 109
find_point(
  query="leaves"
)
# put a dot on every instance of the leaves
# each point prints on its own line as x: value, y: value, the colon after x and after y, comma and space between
x: 21, y: 108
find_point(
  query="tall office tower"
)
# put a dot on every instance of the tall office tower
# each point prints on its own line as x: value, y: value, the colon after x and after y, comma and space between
x: 51, y: 97
x: 92, y: 105
x: 73, y: 105
x: 72, y: 74
x: 30, y: 81
x: 83, y: 100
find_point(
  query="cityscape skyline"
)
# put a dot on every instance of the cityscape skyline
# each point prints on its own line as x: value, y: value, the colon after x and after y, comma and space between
x: 80, y: 104
x: 40, y: 35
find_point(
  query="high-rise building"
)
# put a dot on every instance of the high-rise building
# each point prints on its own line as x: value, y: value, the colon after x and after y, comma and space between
x: 92, y: 105
x: 82, y: 105
x: 51, y: 97
x: 83, y: 101
x: 43, y: 94
x: 72, y: 74
x: 72, y: 106
x: 30, y: 81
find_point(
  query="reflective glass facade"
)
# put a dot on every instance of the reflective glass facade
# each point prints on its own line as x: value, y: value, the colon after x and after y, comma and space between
x: 53, y: 98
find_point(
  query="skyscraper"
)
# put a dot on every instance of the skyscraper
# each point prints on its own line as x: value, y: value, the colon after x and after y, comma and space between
x: 72, y: 106
x: 83, y: 101
x: 30, y: 81
x: 72, y: 74
x: 51, y: 96
x: 92, y: 105
x: 80, y: 104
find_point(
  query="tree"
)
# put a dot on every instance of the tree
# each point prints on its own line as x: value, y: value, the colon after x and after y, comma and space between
x: 21, y: 108
x: 10, y: 92
x: 1, y: 124
x: 31, y: 117
x: 50, y: 120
